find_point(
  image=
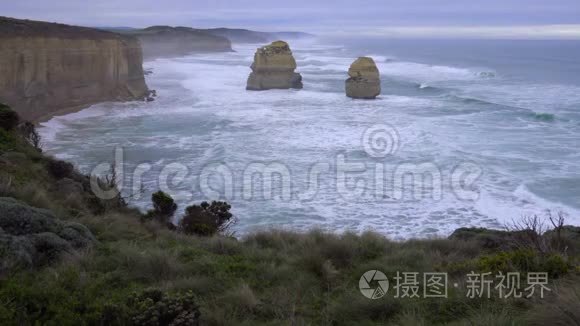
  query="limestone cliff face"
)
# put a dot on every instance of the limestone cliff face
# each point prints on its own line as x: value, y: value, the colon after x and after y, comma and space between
x: 273, y: 68
x: 167, y: 41
x: 46, y: 68
x: 364, y: 80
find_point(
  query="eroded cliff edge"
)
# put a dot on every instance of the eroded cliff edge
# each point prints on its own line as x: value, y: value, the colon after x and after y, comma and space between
x: 47, y: 68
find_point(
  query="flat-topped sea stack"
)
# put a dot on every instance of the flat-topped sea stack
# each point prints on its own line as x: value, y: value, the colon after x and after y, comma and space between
x: 48, y: 69
x: 364, y: 81
x: 273, y: 68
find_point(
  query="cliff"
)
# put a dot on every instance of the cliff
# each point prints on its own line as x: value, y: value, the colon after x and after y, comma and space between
x: 241, y: 35
x: 47, y: 68
x: 273, y: 68
x: 166, y: 41
x: 248, y: 36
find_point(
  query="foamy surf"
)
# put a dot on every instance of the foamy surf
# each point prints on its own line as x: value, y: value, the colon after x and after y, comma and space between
x: 52, y: 127
x: 444, y: 115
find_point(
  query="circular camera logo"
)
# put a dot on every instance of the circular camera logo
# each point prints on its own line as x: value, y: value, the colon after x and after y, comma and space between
x: 373, y: 284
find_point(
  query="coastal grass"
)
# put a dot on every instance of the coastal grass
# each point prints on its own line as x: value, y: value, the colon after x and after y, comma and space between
x: 271, y: 277
x: 266, y: 278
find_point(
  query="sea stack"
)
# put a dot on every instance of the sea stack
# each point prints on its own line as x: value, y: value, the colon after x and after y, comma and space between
x: 364, y: 81
x: 273, y: 68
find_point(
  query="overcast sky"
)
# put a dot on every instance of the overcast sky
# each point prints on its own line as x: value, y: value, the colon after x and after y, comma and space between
x: 397, y: 18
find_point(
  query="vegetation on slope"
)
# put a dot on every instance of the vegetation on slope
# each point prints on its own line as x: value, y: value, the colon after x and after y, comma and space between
x: 142, y: 271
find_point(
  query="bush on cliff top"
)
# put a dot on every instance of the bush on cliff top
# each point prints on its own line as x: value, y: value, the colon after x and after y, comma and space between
x: 164, y: 208
x: 207, y: 219
x: 202, y: 220
x: 59, y: 169
x: 153, y: 307
x: 524, y: 261
x: 31, y: 135
x: 8, y: 118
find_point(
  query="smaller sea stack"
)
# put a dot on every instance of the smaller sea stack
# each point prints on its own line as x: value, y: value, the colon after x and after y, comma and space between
x: 364, y: 81
x: 273, y: 68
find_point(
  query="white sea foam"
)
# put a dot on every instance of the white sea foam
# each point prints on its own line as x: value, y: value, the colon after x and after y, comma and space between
x: 379, y: 58
x: 538, y: 97
x: 422, y: 73
x: 51, y: 127
x: 510, y: 208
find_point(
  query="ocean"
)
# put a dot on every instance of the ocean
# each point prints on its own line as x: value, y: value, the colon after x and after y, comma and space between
x: 465, y: 133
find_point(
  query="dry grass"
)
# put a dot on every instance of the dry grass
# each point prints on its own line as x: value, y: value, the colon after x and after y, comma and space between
x: 562, y: 308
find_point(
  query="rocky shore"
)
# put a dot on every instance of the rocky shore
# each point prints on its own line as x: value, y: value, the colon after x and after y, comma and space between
x: 48, y: 69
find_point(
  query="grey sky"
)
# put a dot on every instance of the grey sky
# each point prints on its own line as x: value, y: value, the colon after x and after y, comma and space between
x: 556, y: 18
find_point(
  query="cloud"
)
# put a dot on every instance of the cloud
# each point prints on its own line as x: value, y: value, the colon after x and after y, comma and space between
x: 475, y: 18
x: 571, y: 32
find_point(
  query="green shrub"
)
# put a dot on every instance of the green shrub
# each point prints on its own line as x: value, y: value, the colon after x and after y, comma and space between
x: 59, y: 169
x: 8, y: 118
x: 207, y: 219
x: 524, y: 260
x: 153, y: 307
x: 555, y: 265
x: 163, y: 203
x: 7, y: 140
x: 163, y: 208
x: 31, y: 135
x: 518, y: 260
